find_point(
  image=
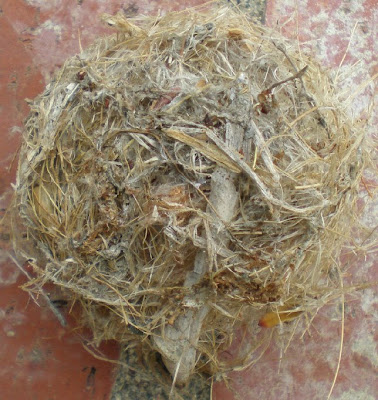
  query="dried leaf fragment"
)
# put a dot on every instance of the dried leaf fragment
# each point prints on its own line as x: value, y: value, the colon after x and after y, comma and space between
x: 273, y: 318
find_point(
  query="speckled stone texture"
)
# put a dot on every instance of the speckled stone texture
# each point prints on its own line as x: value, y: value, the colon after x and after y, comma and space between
x: 149, y: 380
x: 40, y: 359
x: 255, y: 8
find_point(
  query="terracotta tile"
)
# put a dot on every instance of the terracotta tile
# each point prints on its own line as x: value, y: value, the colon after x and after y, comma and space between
x: 42, y: 360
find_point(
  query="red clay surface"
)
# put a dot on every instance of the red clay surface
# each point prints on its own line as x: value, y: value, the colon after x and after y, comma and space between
x: 39, y: 359
x: 42, y: 360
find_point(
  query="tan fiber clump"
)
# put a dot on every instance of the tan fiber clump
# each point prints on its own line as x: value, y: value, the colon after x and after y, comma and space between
x: 184, y: 174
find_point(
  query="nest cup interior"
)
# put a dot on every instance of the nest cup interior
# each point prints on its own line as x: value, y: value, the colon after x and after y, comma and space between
x: 190, y: 163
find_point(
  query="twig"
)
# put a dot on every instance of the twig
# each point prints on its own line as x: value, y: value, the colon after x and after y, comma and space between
x: 309, y: 98
x: 298, y: 75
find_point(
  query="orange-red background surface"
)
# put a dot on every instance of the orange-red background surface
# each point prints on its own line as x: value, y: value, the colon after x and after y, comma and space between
x: 41, y: 360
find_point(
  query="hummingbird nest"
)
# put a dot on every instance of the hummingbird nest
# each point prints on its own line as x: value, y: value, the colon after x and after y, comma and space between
x: 187, y: 174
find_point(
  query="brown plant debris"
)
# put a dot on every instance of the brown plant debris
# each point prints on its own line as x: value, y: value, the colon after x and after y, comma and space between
x: 184, y: 175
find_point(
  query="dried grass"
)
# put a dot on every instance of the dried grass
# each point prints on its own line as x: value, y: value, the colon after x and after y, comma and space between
x: 184, y: 174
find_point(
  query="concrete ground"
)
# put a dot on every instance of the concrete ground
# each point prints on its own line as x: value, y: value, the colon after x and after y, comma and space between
x: 40, y: 359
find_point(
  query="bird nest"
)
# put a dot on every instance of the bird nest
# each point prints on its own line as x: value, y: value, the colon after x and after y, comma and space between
x: 184, y: 174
